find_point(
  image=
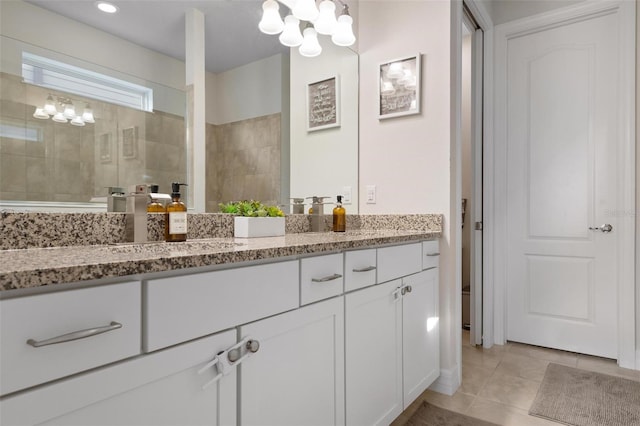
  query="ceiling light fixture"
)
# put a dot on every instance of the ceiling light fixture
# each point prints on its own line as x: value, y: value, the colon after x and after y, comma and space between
x: 317, y: 20
x: 106, y: 7
x: 66, y: 112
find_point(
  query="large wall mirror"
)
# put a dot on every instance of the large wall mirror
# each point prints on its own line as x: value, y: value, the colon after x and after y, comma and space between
x: 256, y: 141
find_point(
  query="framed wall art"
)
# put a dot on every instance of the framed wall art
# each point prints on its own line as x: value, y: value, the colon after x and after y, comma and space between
x: 130, y: 142
x: 399, y: 87
x: 323, y: 105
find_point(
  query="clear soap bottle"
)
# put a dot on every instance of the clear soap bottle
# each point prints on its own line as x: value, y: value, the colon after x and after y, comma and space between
x: 175, y: 223
x: 339, y: 217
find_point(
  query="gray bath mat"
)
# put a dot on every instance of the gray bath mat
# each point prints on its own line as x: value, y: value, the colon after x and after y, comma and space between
x: 585, y: 398
x: 430, y: 415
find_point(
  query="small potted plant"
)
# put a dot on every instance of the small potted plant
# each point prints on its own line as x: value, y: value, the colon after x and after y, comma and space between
x: 254, y: 219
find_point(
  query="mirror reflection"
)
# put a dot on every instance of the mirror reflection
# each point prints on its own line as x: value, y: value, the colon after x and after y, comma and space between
x: 250, y: 137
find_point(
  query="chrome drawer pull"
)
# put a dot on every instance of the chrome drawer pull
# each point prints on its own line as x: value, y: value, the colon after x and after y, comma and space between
x: 76, y: 335
x: 366, y: 269
x: 325, y: 279
x: 433, y: 254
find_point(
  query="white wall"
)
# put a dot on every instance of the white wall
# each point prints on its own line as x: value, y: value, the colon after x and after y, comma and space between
x: 324, y: 161
x: 252, y: 90
x: 408, y: 158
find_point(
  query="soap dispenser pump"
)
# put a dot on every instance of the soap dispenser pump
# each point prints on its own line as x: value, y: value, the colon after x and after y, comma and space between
x: 175, y: 223
x: 154, y: 206
x: 339, y: 217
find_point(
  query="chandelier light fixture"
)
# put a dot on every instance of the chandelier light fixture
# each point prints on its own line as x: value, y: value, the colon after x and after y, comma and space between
x: 319, y: 19
x: 66, y: 113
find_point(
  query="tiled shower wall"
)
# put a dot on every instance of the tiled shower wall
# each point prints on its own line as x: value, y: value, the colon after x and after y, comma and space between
x: 243, y: 161
x: 59, y: 162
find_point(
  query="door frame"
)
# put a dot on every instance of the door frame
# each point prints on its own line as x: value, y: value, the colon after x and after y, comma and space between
x: 496, y: 160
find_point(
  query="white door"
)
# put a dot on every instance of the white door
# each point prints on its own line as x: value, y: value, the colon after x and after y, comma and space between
x: 420, y: 333
x: 475, y: 309
x: 373, y: 324
x: 562, y: 144
x: 297, y: 375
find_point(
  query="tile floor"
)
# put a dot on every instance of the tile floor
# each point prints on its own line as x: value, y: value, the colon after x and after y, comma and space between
x: 500, y: 384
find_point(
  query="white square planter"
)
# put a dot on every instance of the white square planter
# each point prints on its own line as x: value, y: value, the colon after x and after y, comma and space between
x: 249, y: 227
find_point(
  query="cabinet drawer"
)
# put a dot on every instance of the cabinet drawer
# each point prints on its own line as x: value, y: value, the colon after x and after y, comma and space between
x: 430, y: 254
x: 399, y: 261
x: 359, y: 269
x: 321, y: 278
x: 39, y: 318
x: 185, y: 307
x: 163, y: 388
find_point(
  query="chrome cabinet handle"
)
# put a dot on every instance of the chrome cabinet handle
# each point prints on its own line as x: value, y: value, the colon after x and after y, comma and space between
x: 253, y: 346
x: 327, y: 278
x: 403, y: 291
x: 604, y: 228
x: 365, y: 269
x: 409, y: 289
x: 76, y: 335
x: 433, y: 254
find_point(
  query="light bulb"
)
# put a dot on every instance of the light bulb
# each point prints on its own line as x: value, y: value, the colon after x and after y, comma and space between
x: 271, y: 22
x: 343, y: 34
x: 395, y: 70
x: 326, y: 22
x: 50, y: 106
x: 59, y: 118
x: 77, y: 121
x: 291, y: 35
x: 305, y: 10
x: 106, y: 7
x: 69, y: 111
x: 310, y: 46
x: 41, y: 114
x: 87, y: 115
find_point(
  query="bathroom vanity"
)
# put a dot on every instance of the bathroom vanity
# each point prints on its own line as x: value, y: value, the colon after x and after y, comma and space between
x: 311, y: 328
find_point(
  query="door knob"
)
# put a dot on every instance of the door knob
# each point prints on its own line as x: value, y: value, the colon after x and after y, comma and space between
x: 604, y: 228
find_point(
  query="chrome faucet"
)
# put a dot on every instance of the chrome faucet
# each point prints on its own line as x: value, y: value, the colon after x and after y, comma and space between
x: 116, y: 199
x: 317, y: 213
x: 136, y: 214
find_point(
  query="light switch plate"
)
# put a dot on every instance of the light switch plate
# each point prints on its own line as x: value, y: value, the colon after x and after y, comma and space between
x: 346, y: 195
x: 371, y: 194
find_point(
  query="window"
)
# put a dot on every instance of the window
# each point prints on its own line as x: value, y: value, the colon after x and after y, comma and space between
x: 67, y: 78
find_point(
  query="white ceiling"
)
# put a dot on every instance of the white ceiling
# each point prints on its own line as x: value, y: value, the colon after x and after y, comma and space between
x: 232, y: 37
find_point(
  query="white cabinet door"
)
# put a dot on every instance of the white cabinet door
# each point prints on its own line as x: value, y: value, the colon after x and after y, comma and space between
x: 373, y: 323
x: 297, y: 375
x: 420, y: 333
x: 159, y: 389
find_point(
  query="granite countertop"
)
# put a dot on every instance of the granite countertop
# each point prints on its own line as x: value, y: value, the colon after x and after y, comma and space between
x: 36, y: 267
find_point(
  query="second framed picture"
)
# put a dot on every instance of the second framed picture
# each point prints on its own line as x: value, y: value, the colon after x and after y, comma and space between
x: 399, y: 87
x: 323, y: 104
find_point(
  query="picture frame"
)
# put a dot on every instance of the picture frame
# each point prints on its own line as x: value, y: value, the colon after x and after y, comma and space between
x: 105, y: 148
x: 399, y: 87
x: 323, y: 104
x: 130, y: 142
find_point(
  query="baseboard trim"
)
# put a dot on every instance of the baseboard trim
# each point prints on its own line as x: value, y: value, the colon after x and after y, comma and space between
x: 448, y: 382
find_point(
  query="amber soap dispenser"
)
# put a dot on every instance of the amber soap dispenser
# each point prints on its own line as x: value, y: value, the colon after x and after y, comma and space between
x: 339, y: 217
x: 175, y: 223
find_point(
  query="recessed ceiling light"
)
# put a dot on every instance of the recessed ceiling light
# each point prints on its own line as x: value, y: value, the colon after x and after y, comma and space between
x: 106, y: 7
